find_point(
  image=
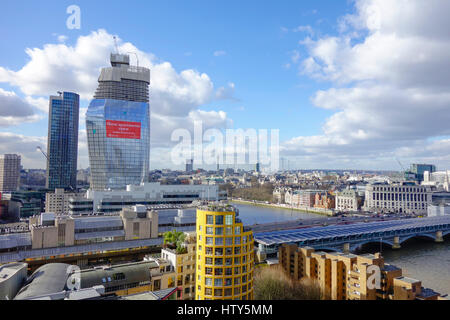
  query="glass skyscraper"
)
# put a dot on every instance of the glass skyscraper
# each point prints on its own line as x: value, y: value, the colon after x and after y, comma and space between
x: 118, y: 126
x: 62, y: 145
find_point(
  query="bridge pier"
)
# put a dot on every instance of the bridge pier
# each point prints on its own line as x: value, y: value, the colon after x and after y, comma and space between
x: 346, y: 248
x: 396, y: 244
x: 439, y: 237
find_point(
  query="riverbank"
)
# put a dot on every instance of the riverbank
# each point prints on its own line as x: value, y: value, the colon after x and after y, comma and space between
x: 322, y: 212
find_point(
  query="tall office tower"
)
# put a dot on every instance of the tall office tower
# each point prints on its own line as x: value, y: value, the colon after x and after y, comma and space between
x: 118, y: 126
x: 9, y: 172
x: 62, y: 141
x: 419, y: 169
x: 189, y: 165
x: 225, y: 255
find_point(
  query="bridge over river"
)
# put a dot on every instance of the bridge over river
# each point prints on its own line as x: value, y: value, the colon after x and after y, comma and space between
x: 350, y: 237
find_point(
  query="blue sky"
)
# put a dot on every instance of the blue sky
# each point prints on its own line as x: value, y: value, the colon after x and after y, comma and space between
x: 259, y: 43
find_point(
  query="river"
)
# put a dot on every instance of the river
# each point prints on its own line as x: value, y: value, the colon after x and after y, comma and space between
x: 419, y: 259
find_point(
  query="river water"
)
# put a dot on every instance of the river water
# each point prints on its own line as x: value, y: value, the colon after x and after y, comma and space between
x: 419, y: 259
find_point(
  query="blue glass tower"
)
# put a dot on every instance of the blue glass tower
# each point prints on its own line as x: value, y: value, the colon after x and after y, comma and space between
x: 62, y: 143
x: 118, y: 126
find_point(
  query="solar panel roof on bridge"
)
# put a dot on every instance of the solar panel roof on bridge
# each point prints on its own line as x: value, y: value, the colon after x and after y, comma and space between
x: 317, y: 233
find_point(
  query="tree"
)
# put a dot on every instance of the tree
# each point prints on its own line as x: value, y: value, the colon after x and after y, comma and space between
x: 176, y: 239
x: 271, y: 283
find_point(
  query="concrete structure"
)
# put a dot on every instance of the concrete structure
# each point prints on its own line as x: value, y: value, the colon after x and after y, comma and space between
x: 51, y: 281
x: 24, y: 204
x: 58, y: 201
x: 440, y: 209
x: 225, y: 255
x: 145, y: 194
x: 118, y: 126
x: 12, y: 277
x: 184, y: 264
x: 346, y: 276
x: 398, y: 198
x: 62, y: 143
x: 348, y: 200
x: 9, y: 172
x: 134, y: 223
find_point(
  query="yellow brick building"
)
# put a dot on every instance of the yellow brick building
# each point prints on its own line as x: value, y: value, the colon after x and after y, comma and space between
x: 346, y: 276
x: 225, y: 255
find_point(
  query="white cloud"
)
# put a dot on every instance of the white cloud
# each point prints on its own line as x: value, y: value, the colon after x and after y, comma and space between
x: 219, y: 53
x: 175, y: 96
x: 390, y: 84
x: 15, y: 110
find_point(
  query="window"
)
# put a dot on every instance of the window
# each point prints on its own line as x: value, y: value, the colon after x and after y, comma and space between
x: 219, y: 220
x: 209, y: 219
x: 237, y: 230
x: 228, y: 271
x: 237, y: 240
x: 237, y: 250
x: 218, y: 292
x: 228, y: 282
x: 228, y: 251
x: 228, y: 231
x: 228, y: 261
x: 218, y: 261
x: 209, y: 261
x: 209, y: 240
x: 218, y: 282
x: 209, y: 230
x: 208, y: 271
x: 218, y: 271
x: 228, y: 241
x: 208, y: 281
x: 219, y: 252
x: 228, y: 292
x: 219, y: 231
x: 209, y: 250
x: 229, y: 219
x: 208, y: 291
x: 219, y: 241
x: 237, y: 260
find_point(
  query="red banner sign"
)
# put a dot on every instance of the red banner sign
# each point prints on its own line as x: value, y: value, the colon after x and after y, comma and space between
x: 123, y: 129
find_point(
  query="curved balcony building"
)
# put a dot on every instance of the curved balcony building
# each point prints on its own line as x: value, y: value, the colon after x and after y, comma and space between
x: 225, y: 255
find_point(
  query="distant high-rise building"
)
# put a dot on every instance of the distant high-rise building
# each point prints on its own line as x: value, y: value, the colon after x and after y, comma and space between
x: 62, y: 141
x: 118, y: 126
x: 189, y: 165
x: 9, y: 172
x: 419, y: 169
x: 258, y: 167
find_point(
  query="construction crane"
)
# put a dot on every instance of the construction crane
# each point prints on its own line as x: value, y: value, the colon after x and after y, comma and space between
x: 403, y: 168
x: 38, y: 148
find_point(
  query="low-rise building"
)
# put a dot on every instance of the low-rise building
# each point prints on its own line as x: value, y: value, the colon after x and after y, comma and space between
x: 49, y: 230
x: 398, y: 198
x: 58, y: 201
x: 348, y: 200
x: 324, y: 201
x: 184, y: 262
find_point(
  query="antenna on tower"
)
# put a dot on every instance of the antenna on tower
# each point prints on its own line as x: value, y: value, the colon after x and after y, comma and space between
x: 115, y: 44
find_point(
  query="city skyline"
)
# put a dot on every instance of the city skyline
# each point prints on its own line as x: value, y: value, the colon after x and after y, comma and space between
x: 339, y: 82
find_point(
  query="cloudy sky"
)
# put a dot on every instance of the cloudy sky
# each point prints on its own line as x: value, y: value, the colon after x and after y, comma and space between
x: 349, y: 84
